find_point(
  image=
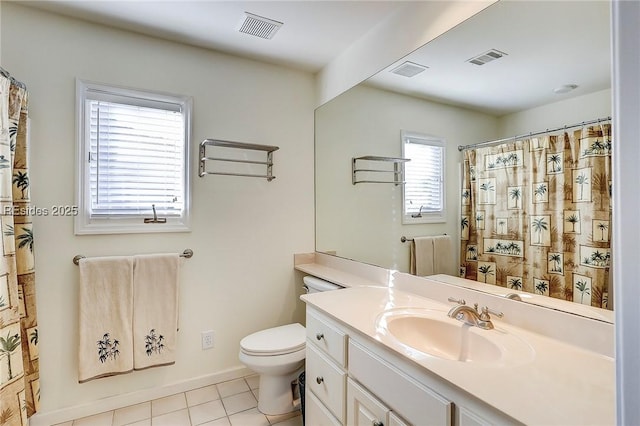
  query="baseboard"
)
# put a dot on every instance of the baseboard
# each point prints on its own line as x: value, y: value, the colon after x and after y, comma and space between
x: 119, y: 401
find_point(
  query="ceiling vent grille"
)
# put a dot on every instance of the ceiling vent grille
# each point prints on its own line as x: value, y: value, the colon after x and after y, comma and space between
x: 259, y: 26
x: 488, y: 56
x: 408, y: 69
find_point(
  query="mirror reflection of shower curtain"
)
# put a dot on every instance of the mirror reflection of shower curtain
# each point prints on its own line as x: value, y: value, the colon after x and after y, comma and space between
x: 536, y: 215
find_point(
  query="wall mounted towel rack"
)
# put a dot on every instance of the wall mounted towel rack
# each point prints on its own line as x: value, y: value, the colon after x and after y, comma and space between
x: 404, y: 239
x: 397, y: 169
x: 187, y: 253
x: 269, y: 149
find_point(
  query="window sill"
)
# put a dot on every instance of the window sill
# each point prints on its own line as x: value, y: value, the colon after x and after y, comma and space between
x: 408, y: 220
x: 129, y: 227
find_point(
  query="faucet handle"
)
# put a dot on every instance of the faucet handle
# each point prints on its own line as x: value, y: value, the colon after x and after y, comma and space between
x: 458, y: 301
x: 484, y: 315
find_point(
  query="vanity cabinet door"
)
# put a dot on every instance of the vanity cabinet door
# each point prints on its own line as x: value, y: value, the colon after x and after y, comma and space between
x: 417, y: 403
x: 469, y: 418
x: 363, y: 409
x: 317, y: 414
x: 394, y: 420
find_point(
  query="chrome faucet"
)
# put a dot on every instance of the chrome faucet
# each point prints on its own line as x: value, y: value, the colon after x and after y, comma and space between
x: 513, y: 296
x: 473, y: 316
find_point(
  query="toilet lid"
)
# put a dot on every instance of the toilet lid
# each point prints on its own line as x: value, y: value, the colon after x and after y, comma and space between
x: 275, y: 341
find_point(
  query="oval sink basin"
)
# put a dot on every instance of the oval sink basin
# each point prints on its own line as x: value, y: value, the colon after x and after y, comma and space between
x: 433, y: 333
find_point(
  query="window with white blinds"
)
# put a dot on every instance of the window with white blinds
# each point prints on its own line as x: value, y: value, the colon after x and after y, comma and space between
x: 423, y: 192
x: 133, y: 150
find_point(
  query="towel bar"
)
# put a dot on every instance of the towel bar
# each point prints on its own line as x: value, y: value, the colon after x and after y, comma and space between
x: 404, y: 239
x: 187, y: 253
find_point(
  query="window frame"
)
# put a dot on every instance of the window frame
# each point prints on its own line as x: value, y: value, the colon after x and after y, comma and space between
x: 84, y: 224
x: 427, y: 217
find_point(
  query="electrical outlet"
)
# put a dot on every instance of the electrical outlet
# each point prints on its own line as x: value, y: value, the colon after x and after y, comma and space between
x: 207, y: 339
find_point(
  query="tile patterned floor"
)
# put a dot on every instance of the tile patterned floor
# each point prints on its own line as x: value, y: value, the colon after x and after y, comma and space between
x: 232, y: 403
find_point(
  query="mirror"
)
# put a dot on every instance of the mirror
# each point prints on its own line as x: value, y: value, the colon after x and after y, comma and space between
x: 544, y: 45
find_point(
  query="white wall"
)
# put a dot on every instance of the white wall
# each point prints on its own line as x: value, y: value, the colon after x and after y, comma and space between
x: 364, y: 222
x: 245, y: 230
x: 558, y: 114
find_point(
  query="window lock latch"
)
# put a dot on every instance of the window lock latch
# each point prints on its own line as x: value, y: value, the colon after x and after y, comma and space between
x: 155, y: 218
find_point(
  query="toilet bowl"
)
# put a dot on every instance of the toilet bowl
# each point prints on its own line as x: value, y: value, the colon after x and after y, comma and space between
x: 277, y: 355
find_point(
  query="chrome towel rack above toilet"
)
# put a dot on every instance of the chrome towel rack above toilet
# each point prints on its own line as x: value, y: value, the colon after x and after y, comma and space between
x: 269, y: 149
x: 397, y: 171
x: 187, y: 253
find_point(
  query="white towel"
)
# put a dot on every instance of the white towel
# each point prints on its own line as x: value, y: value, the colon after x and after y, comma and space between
x: 155, y: 312
x: 443, y: 257
x: 106, y: 312
x: 421, y: 253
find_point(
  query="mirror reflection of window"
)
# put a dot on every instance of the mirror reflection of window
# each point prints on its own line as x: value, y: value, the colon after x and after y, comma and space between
x: 423, y: 193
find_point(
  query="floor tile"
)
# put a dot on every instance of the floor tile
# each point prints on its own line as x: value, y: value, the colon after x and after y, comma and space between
x: 232, y: 387
x: 282, y: 417
x: 240, y: 402
x: 132, y: 414
x: 251, y: 417
x: 253, y: 381
x: 146, y: 422
x: 208, y: 411
x: 102, y: 419
x: 231, y: 403
x: 175, y: 418
x: 202, y: 395
x: 256, y: 394
x: 168, y: 404
x: 220, y: 422
x: 293, y: 421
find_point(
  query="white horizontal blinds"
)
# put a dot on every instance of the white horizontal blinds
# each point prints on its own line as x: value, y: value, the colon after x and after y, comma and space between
x: 136, y: 157
x: 423, y: 176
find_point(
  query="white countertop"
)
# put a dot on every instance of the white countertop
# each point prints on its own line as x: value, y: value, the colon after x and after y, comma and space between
x: 560, y: 385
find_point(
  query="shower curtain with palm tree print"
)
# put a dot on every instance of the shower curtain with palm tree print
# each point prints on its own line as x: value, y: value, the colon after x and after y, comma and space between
x: 536, y: 215
x: 19, y: 383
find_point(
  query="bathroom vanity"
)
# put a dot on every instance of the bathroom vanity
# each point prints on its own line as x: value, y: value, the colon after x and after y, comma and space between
x: 383, y: 355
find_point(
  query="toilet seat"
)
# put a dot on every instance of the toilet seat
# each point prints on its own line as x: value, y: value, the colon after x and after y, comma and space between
x: 275, y: 341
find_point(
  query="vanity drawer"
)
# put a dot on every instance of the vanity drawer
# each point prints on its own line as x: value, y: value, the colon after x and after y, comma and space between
x: 364, y: 408
x: 326, y: 337
x: 326, y: 380
x: 317, y: 414
x: 417, y: 403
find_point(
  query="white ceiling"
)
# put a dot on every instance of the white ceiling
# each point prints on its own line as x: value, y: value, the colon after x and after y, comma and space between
x: 314, y: 32
x: 549, y: 43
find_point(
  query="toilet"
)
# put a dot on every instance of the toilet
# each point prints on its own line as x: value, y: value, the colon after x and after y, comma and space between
x: 277, y: 355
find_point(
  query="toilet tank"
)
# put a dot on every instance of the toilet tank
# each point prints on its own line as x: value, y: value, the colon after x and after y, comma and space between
x: 316, y: 285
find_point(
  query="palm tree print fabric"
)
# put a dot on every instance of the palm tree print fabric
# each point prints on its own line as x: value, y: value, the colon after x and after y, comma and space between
x: 19, y: 359
x: 536, y: 215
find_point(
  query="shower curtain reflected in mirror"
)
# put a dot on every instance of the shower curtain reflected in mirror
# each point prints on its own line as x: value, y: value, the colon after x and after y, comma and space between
x: 19, y: 359
x: 536, y: 215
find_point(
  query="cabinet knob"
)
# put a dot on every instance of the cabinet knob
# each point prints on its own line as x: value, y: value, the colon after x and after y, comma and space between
x: 319, y: 336
x: 319, y: 379
x: 377, y: 423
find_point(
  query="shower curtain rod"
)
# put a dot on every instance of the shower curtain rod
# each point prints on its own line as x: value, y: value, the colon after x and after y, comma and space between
x: 6, y: 74
x: 497, y: 141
